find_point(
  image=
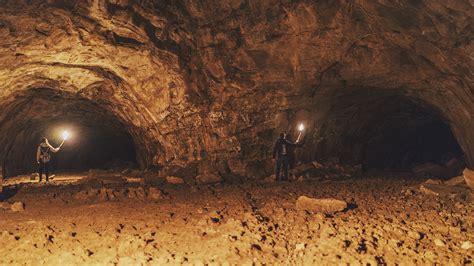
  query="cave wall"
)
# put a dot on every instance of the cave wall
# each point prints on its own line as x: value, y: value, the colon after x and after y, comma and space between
x: 209, y: 85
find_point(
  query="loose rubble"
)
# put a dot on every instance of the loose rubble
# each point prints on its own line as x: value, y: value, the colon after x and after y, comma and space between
x: 341, y: 221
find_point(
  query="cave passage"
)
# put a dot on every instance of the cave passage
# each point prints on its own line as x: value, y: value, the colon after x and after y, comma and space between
x: 98, y: 138
x: 386, y: 131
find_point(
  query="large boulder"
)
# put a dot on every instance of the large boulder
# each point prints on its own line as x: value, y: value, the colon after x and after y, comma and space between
x: 455, y: 181
x: 469, y: 177
x: 327, y: 205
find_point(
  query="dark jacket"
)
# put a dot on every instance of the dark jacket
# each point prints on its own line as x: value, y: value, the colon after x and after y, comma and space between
x: 282, y: 147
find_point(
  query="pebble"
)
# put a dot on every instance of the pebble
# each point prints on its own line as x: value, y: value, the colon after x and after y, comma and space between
x: 300, y: 246
x: 18, y: 206
x: 466, y: 245
x: 439, y: 243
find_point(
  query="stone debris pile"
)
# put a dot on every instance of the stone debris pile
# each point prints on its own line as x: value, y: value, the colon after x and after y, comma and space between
x: 459, y: 187
x: 452, y: 167
x: 330, y: 170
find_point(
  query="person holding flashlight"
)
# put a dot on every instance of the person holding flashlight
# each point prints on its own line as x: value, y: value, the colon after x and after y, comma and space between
x: 281, y: 154
x: 43, y: 157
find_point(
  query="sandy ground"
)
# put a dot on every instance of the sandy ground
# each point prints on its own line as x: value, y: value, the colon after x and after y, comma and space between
x: 238, y: 223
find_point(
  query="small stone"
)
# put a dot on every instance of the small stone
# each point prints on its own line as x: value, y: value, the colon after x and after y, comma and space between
x: 208, y: 178
x: 34, y: 176
x: 467, y: 245
x: 154, y: 193
x: 300, y: 246
x: 18, y: 206
x: 174, y: 180
x: 439, y: 242
x: 140, y: 192
x: 409, y: 192
x: 427, y: 191
x: 415, y: 235
x: 317, y: 165
x: 5, y: 205
x: 320, y: 205
x: 43, y: 28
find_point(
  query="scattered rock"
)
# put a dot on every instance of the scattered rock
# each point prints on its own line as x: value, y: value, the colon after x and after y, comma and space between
x: 136, y: 193
x: 427, y: 190
x: 34, y: 176
x: 439, y: 242
x: 415, y: 235
x: 300, y: 246
x: 5, y: 205
x: 174, y: 180
x: 469, y: 177
x: 105, y: 177
x: 237, y: 167
x: 139, y: 180
x: 86, y: 194
x: 154, y: 193
x: 431, y: 169
x: 409, y: 192
x: 208, y: 178
x: 467, y: 245
x: 454, y: 181
x: 433, y: 181
x: 43, y: 28
x: 435, y: 189
x: 18, y: 206
x: 317, y: 165
x: 320, y: 205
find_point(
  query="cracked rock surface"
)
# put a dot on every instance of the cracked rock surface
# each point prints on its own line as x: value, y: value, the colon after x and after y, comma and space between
x: 193, y: 85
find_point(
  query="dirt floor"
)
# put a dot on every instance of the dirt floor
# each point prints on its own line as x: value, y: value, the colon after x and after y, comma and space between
x: 387, y: 222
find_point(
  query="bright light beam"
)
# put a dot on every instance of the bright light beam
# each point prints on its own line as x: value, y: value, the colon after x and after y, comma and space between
x: 65, y: 135
x: 301, y: 127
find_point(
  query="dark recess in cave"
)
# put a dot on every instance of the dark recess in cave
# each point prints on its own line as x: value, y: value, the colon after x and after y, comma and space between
x: 99, y: 139
x: 385, y: 131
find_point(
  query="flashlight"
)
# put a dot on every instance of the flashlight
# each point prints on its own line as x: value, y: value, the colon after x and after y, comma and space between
x: 301, y: 127
x: 65, y: 135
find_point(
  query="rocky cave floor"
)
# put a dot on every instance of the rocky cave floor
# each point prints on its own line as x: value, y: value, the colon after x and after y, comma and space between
x: 388, y: 220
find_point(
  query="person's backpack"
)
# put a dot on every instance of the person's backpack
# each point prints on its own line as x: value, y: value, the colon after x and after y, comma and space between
x: 45, y: 156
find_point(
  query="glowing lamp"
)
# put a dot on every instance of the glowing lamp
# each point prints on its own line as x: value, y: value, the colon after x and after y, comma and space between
x: 65, y: 135
x: 301, y: 127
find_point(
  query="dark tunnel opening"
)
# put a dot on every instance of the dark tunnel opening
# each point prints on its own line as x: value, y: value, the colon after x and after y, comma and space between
x: 404, y: 147
x: 386, y: 131
x: 99, y: 139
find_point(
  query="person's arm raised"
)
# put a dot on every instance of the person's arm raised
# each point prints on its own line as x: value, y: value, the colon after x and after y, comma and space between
x: 53, y: 149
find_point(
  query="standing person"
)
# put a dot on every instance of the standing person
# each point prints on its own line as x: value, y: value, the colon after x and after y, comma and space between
x: 281, y: 153
x: 43, y: 157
